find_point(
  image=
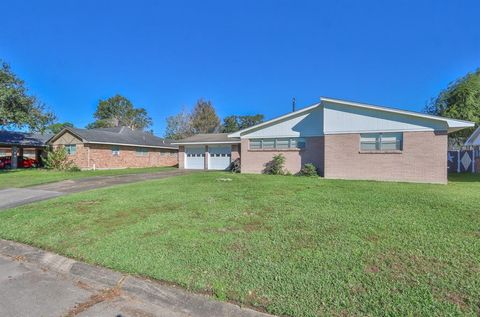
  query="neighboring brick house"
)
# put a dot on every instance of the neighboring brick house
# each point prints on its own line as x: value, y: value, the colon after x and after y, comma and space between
x: 22, y: 144
x: 110, y: 148
x: 342, y: 139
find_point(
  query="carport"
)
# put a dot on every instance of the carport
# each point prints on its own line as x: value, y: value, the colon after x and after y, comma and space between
x: 18, y: 144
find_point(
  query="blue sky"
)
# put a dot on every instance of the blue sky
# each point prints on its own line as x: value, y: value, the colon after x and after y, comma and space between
x: 245, y: 56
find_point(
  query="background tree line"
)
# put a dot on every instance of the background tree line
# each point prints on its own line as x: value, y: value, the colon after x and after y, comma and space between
x: 204, y: 119
x: 21, y: 110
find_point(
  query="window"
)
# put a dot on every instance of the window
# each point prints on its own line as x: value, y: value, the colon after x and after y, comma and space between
x: 3, y: 153
x: 277, y: 144
x: 381, y: 142
x: 71, y: 149
x: 115, y: 150
x: 141, y: 151
x: 255, y: 144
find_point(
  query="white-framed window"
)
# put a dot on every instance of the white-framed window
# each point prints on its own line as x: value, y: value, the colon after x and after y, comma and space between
x: 71, y: 149
x: 277, y: 144
x: 115, y: 150
x: 3, y: 152
x: 371, y: 142
x: 141, y: 151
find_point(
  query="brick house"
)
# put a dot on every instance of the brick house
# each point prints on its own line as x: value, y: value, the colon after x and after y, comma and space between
x: 110, y: 148
x: 343, y: 139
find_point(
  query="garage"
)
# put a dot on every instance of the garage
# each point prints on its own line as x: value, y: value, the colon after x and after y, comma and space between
x: 219, y: 157
x: 195, y: 157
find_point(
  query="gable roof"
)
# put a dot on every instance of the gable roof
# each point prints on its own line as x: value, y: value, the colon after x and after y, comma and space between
x: 117, y: 136
x: 12, y: 138
x: 208, y: 138
x: 453, y: 124
x: 474, y: 139
x: 274, y: 120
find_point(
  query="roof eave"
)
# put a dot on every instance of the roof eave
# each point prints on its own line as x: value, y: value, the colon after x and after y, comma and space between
x: 238, y: 134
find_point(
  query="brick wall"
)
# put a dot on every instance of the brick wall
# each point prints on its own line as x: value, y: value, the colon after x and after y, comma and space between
x: 423, y: 159
x: 181, y: 157
x: 102, y: 157
x: 255, y: 161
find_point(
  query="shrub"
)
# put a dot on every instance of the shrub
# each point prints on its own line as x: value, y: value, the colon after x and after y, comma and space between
x: 308, y: 170
x: 57, y: 159
x: 276, y: 165
x: 74, y: 168
x: 235, y: 166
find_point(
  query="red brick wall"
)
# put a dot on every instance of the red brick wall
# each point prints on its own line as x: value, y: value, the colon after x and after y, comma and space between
x: 89, y: 155
x: 255, y: 161
x: 102, y: 157
x: 423, y: 159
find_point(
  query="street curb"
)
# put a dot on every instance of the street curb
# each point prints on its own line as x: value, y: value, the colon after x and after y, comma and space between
x: 150, y: 291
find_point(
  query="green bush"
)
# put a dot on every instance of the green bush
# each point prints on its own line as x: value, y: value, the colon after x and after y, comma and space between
x: 57, y: 159
x: 276, y: 165
x: 308, y: 170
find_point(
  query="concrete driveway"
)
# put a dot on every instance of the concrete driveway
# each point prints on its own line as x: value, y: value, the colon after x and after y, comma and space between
x: 36, y: 283
x: 13, y: 197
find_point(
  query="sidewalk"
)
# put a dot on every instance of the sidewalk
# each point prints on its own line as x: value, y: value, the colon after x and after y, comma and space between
x: 34, y: 282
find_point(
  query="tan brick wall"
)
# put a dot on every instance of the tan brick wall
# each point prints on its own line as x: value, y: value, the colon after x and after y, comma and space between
x: 181, y: 157
x: 423, y: 159
x: 235, y: 152
x: 255, y: 161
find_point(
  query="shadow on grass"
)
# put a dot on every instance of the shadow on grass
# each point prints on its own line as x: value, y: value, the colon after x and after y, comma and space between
x: 464, y: 177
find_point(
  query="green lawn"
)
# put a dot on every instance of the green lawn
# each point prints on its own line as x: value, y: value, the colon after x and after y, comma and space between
x: 295, y: 246
x: 29, y: 177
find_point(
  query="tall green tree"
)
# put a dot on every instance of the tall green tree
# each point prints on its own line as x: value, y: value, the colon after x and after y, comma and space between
x: 234, y: 123
x: 18, y: 109
x: 230, y: 124
x: 179, y: 126
x: 57, y: 127
x: 204, y: 117
x: 460, y: 100
x: 118, y: 111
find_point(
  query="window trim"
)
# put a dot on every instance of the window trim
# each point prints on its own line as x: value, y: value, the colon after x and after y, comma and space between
x: 68, y: 148
x: 378, y: 143
x: 298, y: 140
x: 115, y: 152
x: 141, y: 151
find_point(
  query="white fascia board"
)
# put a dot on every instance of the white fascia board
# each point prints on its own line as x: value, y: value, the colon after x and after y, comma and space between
x: 453, y: 124
x: 269, y: 122
x: 384, y: 131
x: 200, y: 143
x: 133, y: 145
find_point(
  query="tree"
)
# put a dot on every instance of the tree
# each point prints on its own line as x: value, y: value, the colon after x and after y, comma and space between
x: 179, y: 126
x: 230, y: 124
x: 118, y: 111
x: 235, y: 123
x: 57, y: 127
x: 460, y: 100
x: 204, y: 118
x: 18, y: 109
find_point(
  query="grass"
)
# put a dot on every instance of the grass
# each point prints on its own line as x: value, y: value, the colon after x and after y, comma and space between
x: 30, y: 177
x: 293, y: 245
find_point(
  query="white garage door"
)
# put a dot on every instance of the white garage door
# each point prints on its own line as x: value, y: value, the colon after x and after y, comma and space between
x: 219, y: 157
x: 194, y: 157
